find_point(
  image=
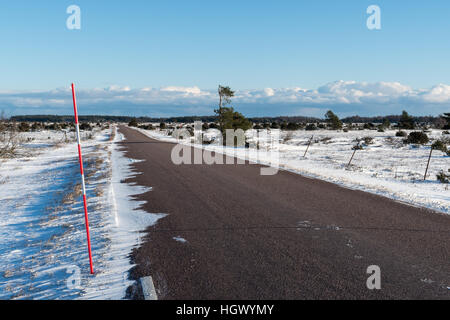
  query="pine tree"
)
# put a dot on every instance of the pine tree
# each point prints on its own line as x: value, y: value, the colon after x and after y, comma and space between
x: 228, y: 117
x: 406, y: 121
x: 333, y: 120
x: 446, y: 117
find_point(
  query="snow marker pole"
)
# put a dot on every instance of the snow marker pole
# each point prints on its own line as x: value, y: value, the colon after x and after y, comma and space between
x: 86, y: 218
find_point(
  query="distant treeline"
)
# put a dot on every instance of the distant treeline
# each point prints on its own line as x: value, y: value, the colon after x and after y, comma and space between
x: 391, y: 118
x: 98, y: 118
x: 187, y: 119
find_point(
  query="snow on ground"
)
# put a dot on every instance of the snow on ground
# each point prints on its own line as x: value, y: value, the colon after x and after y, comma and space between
x: 125, y: 227
x: 386, y: 167
x: 43, y: 252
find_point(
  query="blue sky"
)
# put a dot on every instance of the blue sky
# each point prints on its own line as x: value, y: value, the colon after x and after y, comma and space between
x: 248, y: 45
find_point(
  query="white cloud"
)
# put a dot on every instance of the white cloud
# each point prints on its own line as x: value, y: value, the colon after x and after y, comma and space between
x: 349, y: 95
x: 438, y: 94
x: 118, y: 89
x: 269, y: 92
x: 359, y: 92
x: 189, y: 90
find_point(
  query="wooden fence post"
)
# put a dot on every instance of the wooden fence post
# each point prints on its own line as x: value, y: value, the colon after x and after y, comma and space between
x: 426, y: 170
x: 307, y: 148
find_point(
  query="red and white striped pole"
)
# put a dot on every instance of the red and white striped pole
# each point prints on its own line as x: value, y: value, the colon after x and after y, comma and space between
x: 82, y: 178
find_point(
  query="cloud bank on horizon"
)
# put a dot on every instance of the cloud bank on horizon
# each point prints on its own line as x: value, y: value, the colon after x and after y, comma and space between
x: 344, y: 97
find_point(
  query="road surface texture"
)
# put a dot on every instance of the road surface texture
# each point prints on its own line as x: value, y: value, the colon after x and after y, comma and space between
x: 279, y: 237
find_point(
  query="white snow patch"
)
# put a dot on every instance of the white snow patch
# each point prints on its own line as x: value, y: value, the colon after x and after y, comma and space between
x: 180, y: 239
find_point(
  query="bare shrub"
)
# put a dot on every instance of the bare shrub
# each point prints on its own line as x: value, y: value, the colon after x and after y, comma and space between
x: 326, y: 140
x: 9, y: 143
x: 288, y: 137
x: 24, y: 127
x: 2, y: 122
x: 64, y: 140
x: 368, y: 140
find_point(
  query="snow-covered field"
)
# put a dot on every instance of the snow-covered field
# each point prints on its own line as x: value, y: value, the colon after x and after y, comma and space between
x: 43, y: 252
x: 386, y: 166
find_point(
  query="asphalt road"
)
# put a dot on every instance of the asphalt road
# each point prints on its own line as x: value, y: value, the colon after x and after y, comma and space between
x: 280, y: 237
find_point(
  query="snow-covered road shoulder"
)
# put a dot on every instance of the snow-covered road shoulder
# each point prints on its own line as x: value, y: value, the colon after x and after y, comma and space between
x: 126, y: 224
x: 43, y: 251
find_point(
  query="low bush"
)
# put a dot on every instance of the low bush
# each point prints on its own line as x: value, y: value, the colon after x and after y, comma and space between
x: 146, y: 127
x: 417, y: 137
x: 368, y: 140
x: 52, y: 126
x: 443, y: 177
x: 439, y: 145
x: 275, y: 125
x: 133, y: 123
x: 36, y: 126
x: 293, y: 126
x: 64, y: 125
x: 400, y: 134
x: 85, y: 126
x: 24, y: 127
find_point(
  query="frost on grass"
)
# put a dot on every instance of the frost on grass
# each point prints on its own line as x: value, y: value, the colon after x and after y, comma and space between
x: 43, y: 253
x: 383, y: 165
